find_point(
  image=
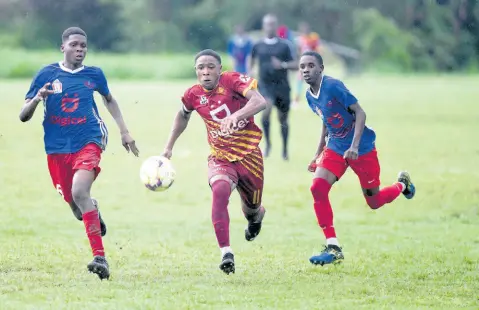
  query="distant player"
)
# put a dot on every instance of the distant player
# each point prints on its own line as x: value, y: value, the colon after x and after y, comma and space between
x: 227, y: 103
x: 75, y: 135
x: 350, y: 144
x: 239, y: 49
x: 274, y: 57
x: 307, y: 41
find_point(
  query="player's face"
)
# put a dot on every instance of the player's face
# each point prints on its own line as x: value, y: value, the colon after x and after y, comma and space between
x: 310, y: 69
x: 75, y: 49
x: 270, y: 26
x: 208, y: 71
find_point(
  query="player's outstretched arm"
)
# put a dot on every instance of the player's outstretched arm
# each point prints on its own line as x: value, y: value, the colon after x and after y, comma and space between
x: 352, y: 152
x: 114, y: 109
x: 179, y: 125
x: 256, y: 103
x: 30, y: 105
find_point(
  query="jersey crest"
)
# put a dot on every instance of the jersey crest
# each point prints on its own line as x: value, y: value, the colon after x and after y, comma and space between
x: 203, y: 100
x: 57, y: 86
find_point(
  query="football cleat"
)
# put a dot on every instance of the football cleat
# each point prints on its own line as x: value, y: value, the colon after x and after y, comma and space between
x: 410, y: 189
x: 99, y: 266
x: 332, y: 254
x: 228, y: 263
x: 254, y: 225
x: 102, y: 223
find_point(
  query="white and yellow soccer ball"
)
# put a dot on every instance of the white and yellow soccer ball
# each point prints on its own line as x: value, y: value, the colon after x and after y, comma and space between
x: 157, y: 173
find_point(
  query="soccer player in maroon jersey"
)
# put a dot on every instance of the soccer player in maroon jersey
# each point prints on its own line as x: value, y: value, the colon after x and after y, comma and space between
x: 227, y: 103
x: 75, y: 135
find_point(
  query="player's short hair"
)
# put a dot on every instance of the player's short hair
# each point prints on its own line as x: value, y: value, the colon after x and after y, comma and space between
x: 208, y: 52
x: 315, y: 55
x: 72, y: 31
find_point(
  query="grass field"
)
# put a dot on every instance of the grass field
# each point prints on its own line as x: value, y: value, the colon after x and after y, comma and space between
x: 161, y: 247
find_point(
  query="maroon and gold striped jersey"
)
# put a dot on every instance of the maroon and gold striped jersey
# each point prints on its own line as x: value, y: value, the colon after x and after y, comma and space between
x: 213, y: 106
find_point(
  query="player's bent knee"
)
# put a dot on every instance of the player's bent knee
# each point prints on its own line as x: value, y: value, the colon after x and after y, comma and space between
x: 80, y: 195
x: 320, y: 188
x: 223, y: 178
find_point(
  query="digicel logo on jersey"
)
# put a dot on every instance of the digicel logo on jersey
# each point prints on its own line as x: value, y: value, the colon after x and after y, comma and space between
x: 67, y: 121
x: 218, y: 133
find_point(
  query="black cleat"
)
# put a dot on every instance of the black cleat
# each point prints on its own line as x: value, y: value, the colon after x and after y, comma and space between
x: 254, y: 225
x: 228, y: 263
x: 99, y: 266
x: 102, y: 223
x: 410, y: 189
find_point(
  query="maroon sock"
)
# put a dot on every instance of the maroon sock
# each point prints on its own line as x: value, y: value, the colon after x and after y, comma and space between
x: 219, y: 215
x: 93, y: 231
x: 324, y: 213
x: 386, y: 195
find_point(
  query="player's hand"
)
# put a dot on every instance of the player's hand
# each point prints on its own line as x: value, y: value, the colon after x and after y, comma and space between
x: 167, y: 153
x: 312, y: 165
x: 276, y: 63
x: 229, y: 123
x: 44, y: 92
x: 129, y: 144
x: 351, y: 153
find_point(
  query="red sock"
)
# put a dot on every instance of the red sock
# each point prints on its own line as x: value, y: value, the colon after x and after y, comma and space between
x: 324, y: 213
x: 219, y: 214
x: 386, y: 195
x: 93, y: 231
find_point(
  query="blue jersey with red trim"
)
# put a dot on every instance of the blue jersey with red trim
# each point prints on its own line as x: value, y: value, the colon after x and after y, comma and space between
x: 332, y: 105
x: 71, y: 116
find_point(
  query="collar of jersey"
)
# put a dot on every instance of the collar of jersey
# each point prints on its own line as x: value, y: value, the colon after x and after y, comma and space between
x: 319, y: 90
x: 271, y: 41
x: 70, y: 70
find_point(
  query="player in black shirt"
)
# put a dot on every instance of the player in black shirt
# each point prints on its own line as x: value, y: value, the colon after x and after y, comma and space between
x: 274, y: 57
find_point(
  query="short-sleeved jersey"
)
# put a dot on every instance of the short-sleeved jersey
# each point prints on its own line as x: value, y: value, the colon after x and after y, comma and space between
x: 215, y: 105
x: 264, y: 50
x: 239, y: 47
x: 71, y: 118
x: 332, y: 105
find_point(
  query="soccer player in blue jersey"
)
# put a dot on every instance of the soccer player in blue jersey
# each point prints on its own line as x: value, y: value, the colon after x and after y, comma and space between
x: 75, y: 135
x: 239, y: 48
x: 345, y: 142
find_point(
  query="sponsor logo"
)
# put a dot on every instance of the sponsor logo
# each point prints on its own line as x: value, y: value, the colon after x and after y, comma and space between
x: 67, y: 121
x: 224, y: 134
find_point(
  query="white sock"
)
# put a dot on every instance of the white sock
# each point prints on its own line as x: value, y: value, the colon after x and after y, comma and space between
x: 332, y: 241
x: 225, y: 250
x: 403, y: 186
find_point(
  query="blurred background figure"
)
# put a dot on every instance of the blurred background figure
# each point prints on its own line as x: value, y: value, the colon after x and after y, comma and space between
x: 275, y: 58
x: 306, y: 41
x: 239, y: 48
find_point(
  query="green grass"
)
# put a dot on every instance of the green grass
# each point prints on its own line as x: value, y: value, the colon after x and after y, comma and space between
x: 161, y: 247
x: 24, y: 64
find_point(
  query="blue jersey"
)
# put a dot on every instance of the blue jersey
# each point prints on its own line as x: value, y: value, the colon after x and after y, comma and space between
x: 71, y: 116
x: 239, y: 47
x: 332, y: 105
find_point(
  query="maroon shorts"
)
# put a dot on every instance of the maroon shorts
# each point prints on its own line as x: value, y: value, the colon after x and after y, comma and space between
x: 62, y: 167
x: 366, y: 166
x: 247, y: 174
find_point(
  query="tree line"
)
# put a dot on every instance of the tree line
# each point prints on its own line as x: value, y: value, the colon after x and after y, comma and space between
x: 407, y: 35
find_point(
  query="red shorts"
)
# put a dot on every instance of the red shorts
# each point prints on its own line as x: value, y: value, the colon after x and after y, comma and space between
x: 366, y: 166
x: 247, y: 174
x: 62, y: 167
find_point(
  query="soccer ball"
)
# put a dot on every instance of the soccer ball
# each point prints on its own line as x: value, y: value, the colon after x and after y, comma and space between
x: 157, y: 173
